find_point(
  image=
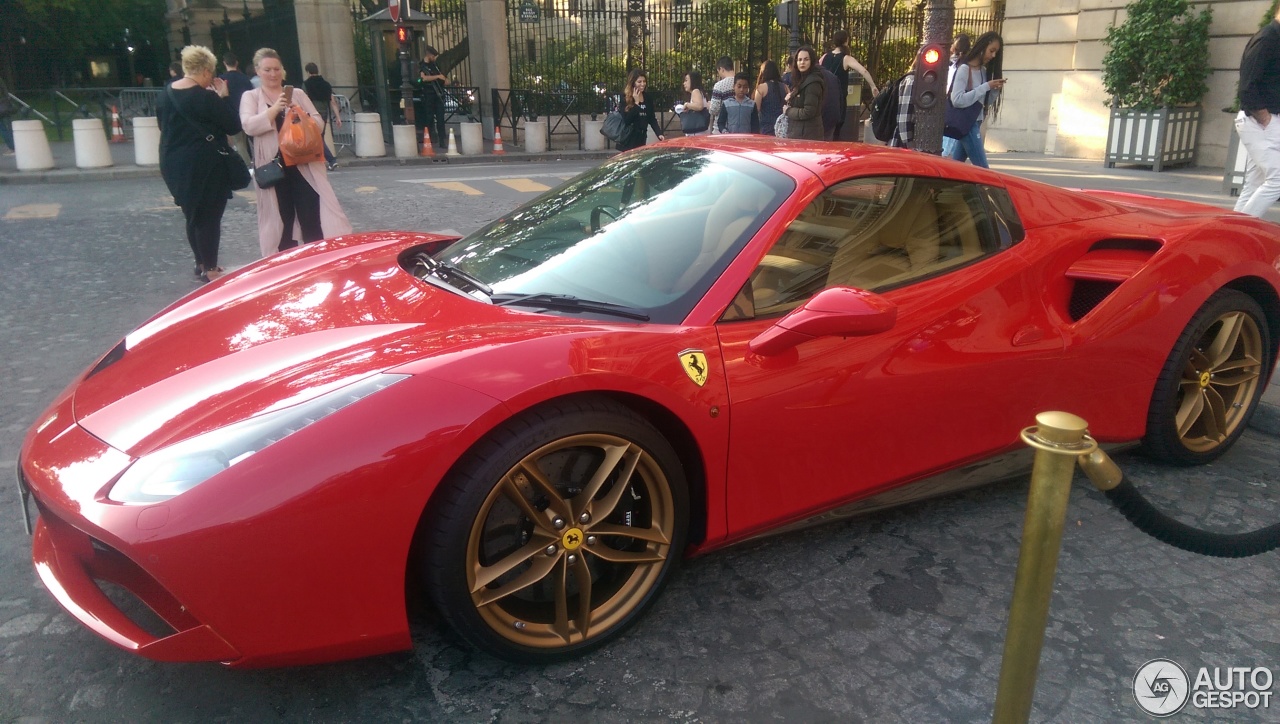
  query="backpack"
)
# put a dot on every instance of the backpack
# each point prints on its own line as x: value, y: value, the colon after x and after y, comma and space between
x: 884, y: 111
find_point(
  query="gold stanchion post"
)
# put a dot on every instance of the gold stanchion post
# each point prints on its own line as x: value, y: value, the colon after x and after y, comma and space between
x: 1060, y: 440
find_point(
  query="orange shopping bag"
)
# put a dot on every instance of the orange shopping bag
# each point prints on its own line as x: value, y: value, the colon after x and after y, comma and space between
x: 300, y: 139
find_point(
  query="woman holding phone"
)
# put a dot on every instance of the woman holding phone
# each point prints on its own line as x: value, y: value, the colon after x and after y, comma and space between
x: 977, y: 80
x: 303, y: 205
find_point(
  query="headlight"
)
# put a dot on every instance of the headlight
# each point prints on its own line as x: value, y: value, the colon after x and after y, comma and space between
x: 180, y: 467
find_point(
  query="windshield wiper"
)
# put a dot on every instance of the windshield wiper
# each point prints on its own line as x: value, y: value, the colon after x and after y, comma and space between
x: 568, y: 302
x: 448, y: 273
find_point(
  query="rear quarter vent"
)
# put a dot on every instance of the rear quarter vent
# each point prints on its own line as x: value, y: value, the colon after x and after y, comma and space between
x: 1108, y: 264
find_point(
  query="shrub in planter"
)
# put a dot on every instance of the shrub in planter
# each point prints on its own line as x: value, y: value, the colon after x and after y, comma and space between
x: 1158, y: 57
x: 1157, y: 60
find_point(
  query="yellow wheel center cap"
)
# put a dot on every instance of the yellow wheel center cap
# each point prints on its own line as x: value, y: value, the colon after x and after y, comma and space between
x: 572, y: 539
x: 1204, y: 379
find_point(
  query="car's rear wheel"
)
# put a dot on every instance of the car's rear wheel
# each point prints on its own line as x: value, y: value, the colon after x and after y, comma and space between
x: 557, y: 531
x: 1211, y: 382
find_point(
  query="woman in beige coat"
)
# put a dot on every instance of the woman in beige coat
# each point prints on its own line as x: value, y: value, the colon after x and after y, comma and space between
x: 303, y: 205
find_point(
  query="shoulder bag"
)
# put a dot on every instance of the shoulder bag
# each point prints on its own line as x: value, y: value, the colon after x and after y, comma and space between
x: 959, y: 121
x: 237, y: 171
x: 781, y: 125
x: 613, y: 126
x: 695, y: 121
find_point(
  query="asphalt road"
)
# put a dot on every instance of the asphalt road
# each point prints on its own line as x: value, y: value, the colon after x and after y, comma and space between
x: 896, y: 616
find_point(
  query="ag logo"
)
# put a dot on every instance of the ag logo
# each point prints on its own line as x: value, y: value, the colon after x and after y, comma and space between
x: 695, y: 365
x: 1161, y: 687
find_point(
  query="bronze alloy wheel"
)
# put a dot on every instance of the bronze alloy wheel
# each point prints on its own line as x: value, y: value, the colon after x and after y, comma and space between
x: 1219, y: 381
x: 1211, y: 381
x: 571, y: 540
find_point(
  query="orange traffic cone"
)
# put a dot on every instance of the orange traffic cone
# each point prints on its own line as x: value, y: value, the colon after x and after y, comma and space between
x: 427, y: 148
x: 497, y: 141
x: 117, y: 133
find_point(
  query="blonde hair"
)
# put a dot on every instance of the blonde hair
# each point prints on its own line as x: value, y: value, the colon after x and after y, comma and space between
x: 264, y: 53
x: 197, y: 59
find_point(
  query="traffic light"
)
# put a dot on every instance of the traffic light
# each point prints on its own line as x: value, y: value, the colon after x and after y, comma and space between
x: 403, y: 34
x: 785, y: 13
x: 931, y: 77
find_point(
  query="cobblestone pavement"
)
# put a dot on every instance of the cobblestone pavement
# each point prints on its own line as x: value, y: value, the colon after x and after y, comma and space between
x: 893, y: 617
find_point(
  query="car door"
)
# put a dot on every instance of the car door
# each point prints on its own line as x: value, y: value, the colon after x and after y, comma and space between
x: 955, y: 378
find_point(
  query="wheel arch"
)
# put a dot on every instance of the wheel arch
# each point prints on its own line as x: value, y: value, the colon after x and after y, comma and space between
x: 1265, y: 295
x: 663, y: 419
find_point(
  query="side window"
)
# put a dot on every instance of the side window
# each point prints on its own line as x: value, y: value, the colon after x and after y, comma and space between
x: 874, y: 234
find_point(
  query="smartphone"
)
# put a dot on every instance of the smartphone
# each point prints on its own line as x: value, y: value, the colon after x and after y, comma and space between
x: 288, y: 94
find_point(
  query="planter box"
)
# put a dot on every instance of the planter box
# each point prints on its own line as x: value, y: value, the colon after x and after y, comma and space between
x: 1159, y: 138
x: 1233, y: 179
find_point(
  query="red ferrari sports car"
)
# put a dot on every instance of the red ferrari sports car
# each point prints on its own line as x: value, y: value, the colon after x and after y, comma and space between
x: 691, y: 345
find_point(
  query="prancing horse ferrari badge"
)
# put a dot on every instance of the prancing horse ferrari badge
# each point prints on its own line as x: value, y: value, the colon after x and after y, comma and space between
x: 695, y: 365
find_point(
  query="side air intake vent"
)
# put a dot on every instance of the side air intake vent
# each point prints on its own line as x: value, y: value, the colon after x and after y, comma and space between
x: 1108, y: 264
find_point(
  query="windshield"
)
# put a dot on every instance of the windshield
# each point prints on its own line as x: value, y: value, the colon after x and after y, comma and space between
x: 649, y: 231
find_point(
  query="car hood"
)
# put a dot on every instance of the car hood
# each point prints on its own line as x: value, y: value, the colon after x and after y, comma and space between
x: 277, y: 333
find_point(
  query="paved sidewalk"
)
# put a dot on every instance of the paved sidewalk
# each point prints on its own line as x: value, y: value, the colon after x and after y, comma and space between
x: 1199, y: 184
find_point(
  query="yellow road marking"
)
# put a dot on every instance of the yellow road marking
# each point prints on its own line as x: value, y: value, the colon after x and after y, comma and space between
x: 366, y: 189
x: 33, y: 211
x: 247, y: 194
x: 523, y: 184
x: 457, y: 186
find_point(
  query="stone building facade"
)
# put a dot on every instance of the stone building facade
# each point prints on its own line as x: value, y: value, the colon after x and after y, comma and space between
x: 1054, y: 100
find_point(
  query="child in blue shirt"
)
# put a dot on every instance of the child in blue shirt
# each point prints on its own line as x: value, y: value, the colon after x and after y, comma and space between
x: 739, y: 114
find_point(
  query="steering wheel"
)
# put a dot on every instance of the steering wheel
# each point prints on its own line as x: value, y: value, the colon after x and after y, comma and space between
x: 603, y: 210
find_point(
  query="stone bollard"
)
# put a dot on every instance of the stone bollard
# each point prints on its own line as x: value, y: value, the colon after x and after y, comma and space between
x: 535, y: 136
x: 92, y: 150
x: 471, y: 138
x: 146, y: 141
x: 405, y: 140
x: 592, y: 139
x: 31, y: 146
x: 369, y: 141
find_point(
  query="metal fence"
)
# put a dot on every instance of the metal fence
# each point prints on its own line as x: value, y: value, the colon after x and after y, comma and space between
x: 58, y: 107
x: 559, y: 46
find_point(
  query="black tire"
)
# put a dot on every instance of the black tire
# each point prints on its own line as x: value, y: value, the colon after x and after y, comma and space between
x: 628, y: 536
x: 1204, y: 397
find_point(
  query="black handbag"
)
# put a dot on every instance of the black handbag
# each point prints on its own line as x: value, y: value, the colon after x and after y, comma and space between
x: 959, y: 121
x: 269, y: 174
x: 695, y: 121
x: 237, y: 171
x: 613, y: 126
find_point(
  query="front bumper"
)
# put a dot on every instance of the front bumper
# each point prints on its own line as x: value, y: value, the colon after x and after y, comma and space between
x: 72, y: 565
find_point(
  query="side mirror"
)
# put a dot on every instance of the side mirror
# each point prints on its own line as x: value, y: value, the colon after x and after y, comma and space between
x: 834, y: 312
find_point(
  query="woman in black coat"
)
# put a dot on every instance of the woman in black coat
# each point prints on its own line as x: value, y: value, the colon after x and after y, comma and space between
x: 804, y: 103
x: 638, y: 115
x: 190, y: 111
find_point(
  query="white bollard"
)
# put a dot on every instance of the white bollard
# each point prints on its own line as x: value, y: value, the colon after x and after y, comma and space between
x: 471, y: 136
x: 146, y: 141
x: 369, y: 141
x: 535, y: 136
x: 31, y: 146
x: 592, y: 139
x: 405, y: 141
x: 92, y: 150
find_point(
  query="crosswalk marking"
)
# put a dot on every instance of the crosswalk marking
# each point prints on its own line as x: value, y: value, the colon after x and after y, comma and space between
x: 523, y: 184
x: 33, y: 211
x: 456, y: 186
x: 366, y: 189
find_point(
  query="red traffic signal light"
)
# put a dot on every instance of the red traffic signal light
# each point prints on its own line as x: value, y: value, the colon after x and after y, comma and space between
x: 402, y: 34
x: 931, y: 83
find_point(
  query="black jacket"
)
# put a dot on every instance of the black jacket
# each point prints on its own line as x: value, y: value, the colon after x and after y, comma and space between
x: 191, y: 166
x: 1260, y: 70
x: 637, y: 118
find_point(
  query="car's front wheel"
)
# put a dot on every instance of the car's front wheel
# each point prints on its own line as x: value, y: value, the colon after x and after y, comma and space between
x: 1211, y: 382
x: 557, y: 531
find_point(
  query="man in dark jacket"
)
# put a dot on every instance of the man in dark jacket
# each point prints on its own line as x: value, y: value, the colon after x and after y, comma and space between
x: 430, y: 88
x: 237, y: 84
x: 321, y: 95
x: 1257, y: 122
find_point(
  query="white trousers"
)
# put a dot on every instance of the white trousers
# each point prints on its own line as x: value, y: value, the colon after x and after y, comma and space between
x: 1262, y: 167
